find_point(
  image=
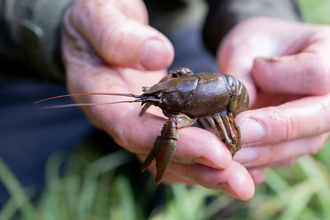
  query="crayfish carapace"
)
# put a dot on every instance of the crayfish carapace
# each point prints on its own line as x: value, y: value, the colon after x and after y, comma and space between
x: 184, y: 98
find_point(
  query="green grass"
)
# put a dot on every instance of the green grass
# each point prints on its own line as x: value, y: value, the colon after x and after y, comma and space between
x: 95, y: 188
x: 316, y: 11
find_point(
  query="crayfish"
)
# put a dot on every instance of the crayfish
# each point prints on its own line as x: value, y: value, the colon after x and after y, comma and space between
x: 184, y: 98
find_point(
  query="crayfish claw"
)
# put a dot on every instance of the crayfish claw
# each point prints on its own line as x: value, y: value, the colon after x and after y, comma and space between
x: 165, y: 144
x: 163, y: 152
x: 164, y: 157
x: 147, y: 161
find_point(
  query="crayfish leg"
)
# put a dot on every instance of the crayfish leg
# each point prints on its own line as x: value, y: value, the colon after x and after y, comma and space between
x: 225, y: 131
x: 229, y: 127
x: 238, y: 130
x: 177, y: 73
x: 216, y: 128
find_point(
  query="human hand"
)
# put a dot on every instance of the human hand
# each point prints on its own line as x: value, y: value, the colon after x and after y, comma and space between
x: 108, y: 47
x: 285, y: 67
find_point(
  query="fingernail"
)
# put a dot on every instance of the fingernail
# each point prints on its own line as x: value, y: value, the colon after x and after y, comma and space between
x: 206, y: 162
x: 252, y: 131
x: 155, y: 55
x: 225, y: 187
x: 272, y: 59
x: 246, y: 155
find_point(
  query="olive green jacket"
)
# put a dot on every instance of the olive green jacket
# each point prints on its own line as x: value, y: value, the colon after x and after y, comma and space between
x: 30, y: 29
x: 30, y: 34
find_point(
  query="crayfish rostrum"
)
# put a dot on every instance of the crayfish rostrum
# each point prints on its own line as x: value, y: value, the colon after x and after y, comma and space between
x: 184, y: 98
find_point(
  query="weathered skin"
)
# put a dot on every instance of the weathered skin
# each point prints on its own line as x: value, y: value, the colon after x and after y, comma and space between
x: 184, y: 98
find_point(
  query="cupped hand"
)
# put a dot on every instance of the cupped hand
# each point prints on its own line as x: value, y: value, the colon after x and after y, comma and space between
x: 108, y: 47
x: 285, y: 67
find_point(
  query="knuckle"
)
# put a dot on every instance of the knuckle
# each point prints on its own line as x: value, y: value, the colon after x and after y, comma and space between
x: 286, y: 123
x: 318, y: 143
x: 193, y: 176
x: 284, y: 163
x: 267, y: 154
x: 290, y: 125
x: 319, y: 76
x: 274, y: 158
x: 109, y: 39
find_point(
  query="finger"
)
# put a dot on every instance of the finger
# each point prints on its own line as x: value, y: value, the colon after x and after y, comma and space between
x: 241, y: 46
x: 304, y: 117
x: 307, y: 73
x: 304, y: 69
x: 234, y: 181
x: 120, y: 35
x: 257, y: 174
x: 168, y: 177
x: 279, y: 154
x: 194, y: 145
x: 281, y: 164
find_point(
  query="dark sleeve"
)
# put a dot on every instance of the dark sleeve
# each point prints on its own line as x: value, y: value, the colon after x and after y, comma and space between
x: 30, y: 34
x: 225, y: 14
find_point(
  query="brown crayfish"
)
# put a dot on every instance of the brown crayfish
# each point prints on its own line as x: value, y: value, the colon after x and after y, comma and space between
x: 185, y: 98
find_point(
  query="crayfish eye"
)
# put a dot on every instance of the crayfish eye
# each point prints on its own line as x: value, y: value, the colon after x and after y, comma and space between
x: 158, y: 95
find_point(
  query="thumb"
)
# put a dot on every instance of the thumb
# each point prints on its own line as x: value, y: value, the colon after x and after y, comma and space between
x: 306, y: 73
x: 120, y: 35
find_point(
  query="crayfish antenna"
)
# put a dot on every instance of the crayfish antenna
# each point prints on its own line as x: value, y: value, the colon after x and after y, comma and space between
x: 89, y: 104
x: 85, y: 94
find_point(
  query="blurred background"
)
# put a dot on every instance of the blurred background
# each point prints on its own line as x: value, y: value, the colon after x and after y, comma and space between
x: 94, y: 183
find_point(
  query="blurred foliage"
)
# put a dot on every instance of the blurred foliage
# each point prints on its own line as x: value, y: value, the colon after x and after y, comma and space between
x: 96, y: 186
x: 316, y: 11
x: 93, y: 187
